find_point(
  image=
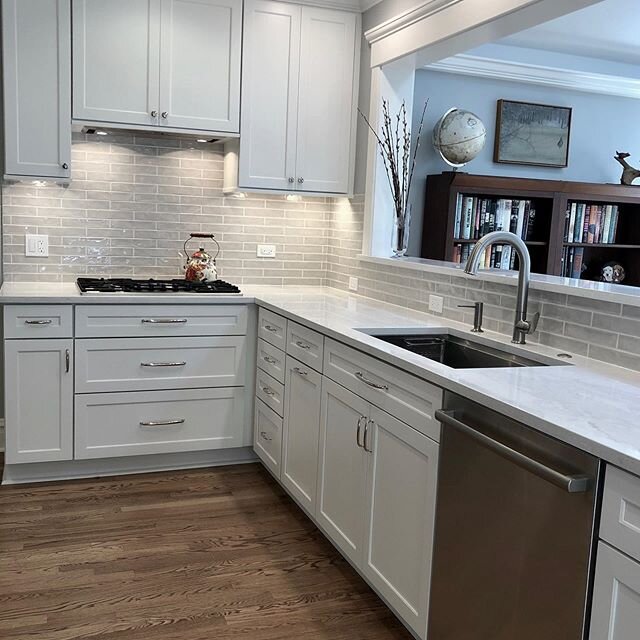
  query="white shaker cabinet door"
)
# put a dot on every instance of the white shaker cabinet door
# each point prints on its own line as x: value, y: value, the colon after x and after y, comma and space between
x: 269, y: 94
x: 615, y: 613
x: 200, y: 47
x: 36, y: 45
x: 116, y: 65
x: 38, y: 400
x: 342, y: 469
x: 327, y: 100
x: 300, y: 433
x: 401, y: 505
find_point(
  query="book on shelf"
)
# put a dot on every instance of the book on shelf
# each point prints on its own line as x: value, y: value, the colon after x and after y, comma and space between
x: 591, y: 223
x: 476, y: 216
x: 572, y: 261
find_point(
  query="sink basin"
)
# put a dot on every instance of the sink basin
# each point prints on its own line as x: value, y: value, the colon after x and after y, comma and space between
x: 457, y: 352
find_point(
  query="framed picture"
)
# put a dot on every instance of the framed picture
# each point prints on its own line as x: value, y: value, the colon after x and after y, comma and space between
x: 534, y: 134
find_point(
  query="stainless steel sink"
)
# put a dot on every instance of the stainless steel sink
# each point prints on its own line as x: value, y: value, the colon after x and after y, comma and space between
x: 459, y: 353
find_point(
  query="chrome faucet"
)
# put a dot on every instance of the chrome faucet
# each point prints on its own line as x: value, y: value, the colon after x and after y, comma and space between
x: 521, y: 326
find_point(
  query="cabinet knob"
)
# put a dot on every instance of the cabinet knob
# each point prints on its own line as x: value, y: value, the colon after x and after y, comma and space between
x: 300, y: 180
x: 165, y: 114
x: 154, y: 114
x: 292, y: 180
x: 65, y: 165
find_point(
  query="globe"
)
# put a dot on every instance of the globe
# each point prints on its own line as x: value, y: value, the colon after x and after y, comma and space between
x: 459, y: 136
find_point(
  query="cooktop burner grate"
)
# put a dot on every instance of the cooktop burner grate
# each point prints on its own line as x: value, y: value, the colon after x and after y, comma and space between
x: 129, y: 285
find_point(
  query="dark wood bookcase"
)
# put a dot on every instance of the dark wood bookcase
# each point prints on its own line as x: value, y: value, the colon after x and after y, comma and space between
x: 551, y: 199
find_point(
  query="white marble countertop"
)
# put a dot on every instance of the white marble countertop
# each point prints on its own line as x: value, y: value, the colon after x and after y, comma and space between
x: 589, y: 404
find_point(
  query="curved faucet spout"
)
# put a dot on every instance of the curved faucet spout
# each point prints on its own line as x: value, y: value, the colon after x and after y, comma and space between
x: 521, y: 326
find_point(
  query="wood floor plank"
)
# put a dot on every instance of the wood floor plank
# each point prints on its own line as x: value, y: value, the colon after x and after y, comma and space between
x: 187, y: 555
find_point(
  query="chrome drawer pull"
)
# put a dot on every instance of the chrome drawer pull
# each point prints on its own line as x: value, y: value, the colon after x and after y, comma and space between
x: 264, y: 436
x: 38, y: 321
x: 268, y: 327
x: 163, y: 364
x: 162, y: 423
x: 164, y: 320
x: 359, y: 429
x: 302, y: 345
x: 67, y: 360
x: 375, y: 385
x: 269, y: 359
x: 300, y: 371
x: 270, y: 392
x: 366, y: 433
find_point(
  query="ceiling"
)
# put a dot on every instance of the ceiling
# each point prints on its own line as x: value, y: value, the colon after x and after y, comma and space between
x: 609, y: 30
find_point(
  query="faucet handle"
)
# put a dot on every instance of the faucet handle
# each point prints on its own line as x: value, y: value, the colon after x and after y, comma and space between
x: 533, y: 323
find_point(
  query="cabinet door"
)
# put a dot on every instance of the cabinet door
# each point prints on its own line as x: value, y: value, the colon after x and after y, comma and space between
x: 326, y: 102
x: 200, y: 64
x: 39, y: 400
x: 615, y: 613
x: 37, y: 87
x: 401, y: 505
x: 301, y: 432
x: 116, y: 51
x: 342, y: 469
x: 269, y: 94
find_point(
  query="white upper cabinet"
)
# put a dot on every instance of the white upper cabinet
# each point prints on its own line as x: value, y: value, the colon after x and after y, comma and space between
x: 116, y: 57
x: 200, y: 64
x: 36, y: 46
x: 166, y: 63
x: 271, y: 59
x: 326, y: 100
x: 299, y: 98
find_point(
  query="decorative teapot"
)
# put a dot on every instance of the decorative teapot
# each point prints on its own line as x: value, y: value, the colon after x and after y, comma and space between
x: 200, y: 266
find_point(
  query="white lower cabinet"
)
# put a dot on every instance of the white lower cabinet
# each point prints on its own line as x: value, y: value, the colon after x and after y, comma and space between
x: 126, y: 424
x: 342, y: 469
x: 38, y: 400
x: 401, y: 501
x: 377, y: 481
x: 267, y: 437
x: 615, y: 613
x: 301, y: 432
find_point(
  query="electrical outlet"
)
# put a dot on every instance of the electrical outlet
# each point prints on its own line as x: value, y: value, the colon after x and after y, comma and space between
x: 353, y: 284
x: 266, y: 251
x: 436, y: 303
x: 36, y: 245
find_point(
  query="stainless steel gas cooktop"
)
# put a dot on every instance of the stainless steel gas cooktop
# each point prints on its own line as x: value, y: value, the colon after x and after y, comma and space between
x: 129, y: 285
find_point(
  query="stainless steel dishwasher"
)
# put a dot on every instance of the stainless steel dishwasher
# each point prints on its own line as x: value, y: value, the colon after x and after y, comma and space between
x: 514, y: 528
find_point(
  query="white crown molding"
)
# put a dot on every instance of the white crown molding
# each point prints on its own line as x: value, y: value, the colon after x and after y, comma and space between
x: 344, y: 5
x: 406, y: 19
x: 540, y: 75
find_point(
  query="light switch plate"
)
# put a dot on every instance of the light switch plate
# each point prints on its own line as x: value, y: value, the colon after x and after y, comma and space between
x: 266, y: 251
x: 353, y: 284
x: 36, y: 245
x: 436, y: 303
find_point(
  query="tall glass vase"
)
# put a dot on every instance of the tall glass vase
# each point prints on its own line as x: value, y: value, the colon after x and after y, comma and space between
x: 400, y: 239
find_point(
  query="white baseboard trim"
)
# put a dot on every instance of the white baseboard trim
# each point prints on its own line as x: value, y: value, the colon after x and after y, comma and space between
x: 78, y: 469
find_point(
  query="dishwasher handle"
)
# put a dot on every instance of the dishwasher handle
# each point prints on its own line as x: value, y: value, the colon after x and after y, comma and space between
x: 570, y: 483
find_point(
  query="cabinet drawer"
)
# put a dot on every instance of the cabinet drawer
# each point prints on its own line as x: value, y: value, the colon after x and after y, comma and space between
x: 267, y: 436
x: 620, y: 522
x: 115, y: 321
x: 270, y: 391
x: 147, y: 364
x: 404, y: 396
x: 127, y: 424
x: 305, y: 345
x: 271, y: 360
x: 272, y: 328
x: 38, y: 321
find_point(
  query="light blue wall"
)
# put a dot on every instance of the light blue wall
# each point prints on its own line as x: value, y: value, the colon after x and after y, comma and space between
x: 601, y: 125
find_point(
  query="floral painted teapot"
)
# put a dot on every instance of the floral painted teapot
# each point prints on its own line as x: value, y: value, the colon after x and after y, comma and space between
x: 200, y: 266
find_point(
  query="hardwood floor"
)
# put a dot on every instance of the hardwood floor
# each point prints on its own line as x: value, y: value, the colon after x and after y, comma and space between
x: 191, y: 555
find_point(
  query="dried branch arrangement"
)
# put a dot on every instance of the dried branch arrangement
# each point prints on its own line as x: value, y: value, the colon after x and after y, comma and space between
x: 394, y: 145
